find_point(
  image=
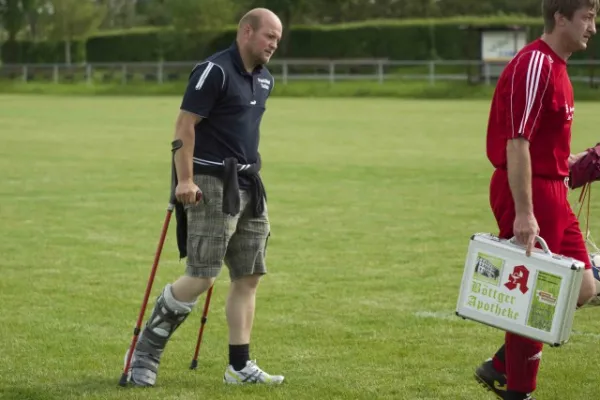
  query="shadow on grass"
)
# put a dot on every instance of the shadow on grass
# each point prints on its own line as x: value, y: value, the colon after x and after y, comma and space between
x: 94, y: 386
x: 99, y: 386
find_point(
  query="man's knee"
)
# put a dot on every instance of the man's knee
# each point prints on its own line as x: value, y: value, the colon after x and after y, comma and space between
x: 247, y: 283
x: 189, y: 288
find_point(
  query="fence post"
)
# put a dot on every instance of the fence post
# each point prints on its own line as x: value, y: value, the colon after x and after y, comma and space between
x: 331, y: 72
x: 159, y: 73
x: 380, y: 75
x: 25, y: 73
x: 124, y: 72
x: 55, y: 73
x: 285, y: 72
x: 432, y: 73
x: 487, y: 73
x: 88, y: 72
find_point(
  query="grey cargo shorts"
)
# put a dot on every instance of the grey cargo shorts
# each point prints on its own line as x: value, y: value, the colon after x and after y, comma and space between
x: 215, y: 237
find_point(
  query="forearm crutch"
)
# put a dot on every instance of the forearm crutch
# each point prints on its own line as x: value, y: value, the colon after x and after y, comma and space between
x: 194, y: 363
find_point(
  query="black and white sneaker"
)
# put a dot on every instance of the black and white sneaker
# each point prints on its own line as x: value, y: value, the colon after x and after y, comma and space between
x: 250, y: 374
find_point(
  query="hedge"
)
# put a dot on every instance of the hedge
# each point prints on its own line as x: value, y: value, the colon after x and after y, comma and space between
x: 40, y: 52
x: 446, y: 39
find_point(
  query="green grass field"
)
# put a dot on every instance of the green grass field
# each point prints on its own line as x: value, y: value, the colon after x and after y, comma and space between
x: 372, y: 203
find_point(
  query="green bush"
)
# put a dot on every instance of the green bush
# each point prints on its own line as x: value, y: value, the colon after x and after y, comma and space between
x: 40, y: 52
x: 125, y: 47
x: 447, y: 39
x: 393, y: 39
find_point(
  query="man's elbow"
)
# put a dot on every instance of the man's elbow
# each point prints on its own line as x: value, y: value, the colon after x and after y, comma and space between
x: 517, y: 146
x: 186, y: 123
x: 518, y: 142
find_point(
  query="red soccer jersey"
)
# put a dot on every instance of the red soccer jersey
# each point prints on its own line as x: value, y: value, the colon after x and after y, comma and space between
x: 534, y: 100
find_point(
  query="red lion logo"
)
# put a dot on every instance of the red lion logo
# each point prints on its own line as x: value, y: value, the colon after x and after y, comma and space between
x: 519, y: 277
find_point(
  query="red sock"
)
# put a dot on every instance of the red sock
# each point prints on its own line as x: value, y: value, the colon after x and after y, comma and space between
x: 522, y: 362
x: 499, y: 360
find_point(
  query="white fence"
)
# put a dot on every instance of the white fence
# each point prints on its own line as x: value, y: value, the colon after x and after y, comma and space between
x: 377, y: 70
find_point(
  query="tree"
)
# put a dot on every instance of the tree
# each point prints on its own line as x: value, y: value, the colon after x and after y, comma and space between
x: 153, y: 12
x: 200, y: 15
x: 195, y: 23
x: 70, y: 20
x: 119, y: 13
x: 12, y: 17
x: 291, y: 12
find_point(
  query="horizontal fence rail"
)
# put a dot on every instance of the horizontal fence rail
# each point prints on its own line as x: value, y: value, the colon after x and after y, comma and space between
x: 285, y: 71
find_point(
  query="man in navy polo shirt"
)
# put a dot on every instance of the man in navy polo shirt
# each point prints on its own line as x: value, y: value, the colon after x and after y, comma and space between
x: 218, y: 130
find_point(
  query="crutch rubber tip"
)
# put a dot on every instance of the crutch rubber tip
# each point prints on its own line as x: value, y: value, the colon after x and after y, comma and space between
x: 194, y: 364
x: 123, y: 381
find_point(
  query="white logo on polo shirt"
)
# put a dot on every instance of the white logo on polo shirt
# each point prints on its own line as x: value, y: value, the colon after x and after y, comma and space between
x: 264, y: 83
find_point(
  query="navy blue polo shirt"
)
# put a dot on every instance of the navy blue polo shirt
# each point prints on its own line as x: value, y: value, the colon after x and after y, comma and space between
x: 231, y: 102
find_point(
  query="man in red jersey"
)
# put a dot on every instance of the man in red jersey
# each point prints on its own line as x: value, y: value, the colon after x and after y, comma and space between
x: 528, y: 143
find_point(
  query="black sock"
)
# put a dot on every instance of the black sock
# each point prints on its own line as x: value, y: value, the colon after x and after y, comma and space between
x: 500, y: 354
x: 512, y: 395
x: 239, y: 354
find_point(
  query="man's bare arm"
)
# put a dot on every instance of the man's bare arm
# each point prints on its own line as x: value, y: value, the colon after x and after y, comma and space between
x: 519, y: 178
x: 184, y: 131
x: 573, y: 158
x: 519, y: 174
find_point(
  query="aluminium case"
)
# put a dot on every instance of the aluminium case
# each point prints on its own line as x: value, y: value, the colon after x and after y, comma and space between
x: 533, y: 296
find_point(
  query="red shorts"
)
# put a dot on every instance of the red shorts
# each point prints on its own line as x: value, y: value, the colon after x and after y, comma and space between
x: 558, y: 224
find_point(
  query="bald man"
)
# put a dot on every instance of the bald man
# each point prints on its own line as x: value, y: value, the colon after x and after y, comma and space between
x: 218, y: 131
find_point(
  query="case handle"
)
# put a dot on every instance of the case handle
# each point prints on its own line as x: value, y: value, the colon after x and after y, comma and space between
x: 538, y: 239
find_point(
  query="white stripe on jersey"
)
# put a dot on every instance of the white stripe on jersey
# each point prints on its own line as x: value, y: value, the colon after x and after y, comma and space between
x: 204, y: 75
x: 534, y: 70
x: 532, y: 86
x: 206, y: 72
